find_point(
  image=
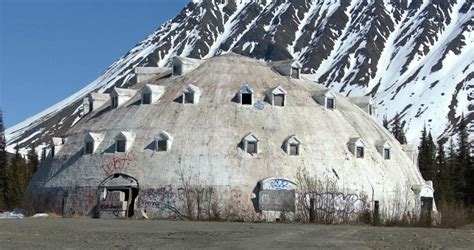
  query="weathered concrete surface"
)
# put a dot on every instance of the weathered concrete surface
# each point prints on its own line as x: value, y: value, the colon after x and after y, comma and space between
x: 88, y: 233
x: 205, y: 151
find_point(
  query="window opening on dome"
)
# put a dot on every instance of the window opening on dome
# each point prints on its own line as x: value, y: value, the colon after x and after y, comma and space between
x: 360, y: 152
x: 44, y: 153
x: 279, y: 100
x: 56, y: 145
x: 191, y: 94
x: 114, y: 101
x: 121, y: 145
x: 295, y: 73
x: 161, y: 145
x: 89, y: 148
x: 177, y: 69
x: 188, y: 98
x: 246, y: 99
x: 330, y: 103
x: 386, y: 153
x: 245, y: 95
x: 292, y: 145
x: 294, y: 149
x: 163, y: 142
x: 250, y: 144
x: 325, y: 98
x: 252, y: 147
x: 146, y: 98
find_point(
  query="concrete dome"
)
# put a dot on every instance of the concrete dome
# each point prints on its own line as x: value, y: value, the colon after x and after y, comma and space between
x: 196, y: 148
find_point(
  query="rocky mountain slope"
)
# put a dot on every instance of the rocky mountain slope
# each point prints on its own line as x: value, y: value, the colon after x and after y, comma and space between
x: 414, y: 57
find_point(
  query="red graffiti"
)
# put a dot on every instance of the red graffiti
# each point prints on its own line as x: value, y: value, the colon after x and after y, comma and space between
x: 118, y: 163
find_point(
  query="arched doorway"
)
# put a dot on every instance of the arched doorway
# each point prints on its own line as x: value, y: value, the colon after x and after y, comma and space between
x: 118, y: 193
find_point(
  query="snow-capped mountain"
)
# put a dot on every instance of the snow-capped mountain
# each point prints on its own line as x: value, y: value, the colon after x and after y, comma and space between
x: 413, y: 57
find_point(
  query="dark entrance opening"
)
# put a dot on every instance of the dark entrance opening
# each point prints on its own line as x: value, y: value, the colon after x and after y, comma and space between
x: 131, y: 194
x: 279, y: 100
x: 246, y: 99
x: 118, y: 193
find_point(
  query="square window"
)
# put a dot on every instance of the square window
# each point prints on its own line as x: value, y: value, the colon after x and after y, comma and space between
x: 252, y: 147
x: 188, y: 97
x: 161, y: 145
x: 360, y: 152
x: 89, y: 148
x: 177, y: 70
x: 330, y: 103
x: 386, y: 154
x: 279, y: 100
x: 294, y: 149
x: 246, y: 99
x: 121, y: 145
x: 146, y: 98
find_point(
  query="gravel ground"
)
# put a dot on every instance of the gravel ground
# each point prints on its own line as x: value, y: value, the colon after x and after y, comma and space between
x: 53, y: 233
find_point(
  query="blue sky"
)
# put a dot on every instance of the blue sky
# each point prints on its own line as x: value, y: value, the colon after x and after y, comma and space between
x: 50, y: 49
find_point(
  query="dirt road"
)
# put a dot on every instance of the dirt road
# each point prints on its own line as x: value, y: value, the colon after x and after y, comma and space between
x: 92, y: 233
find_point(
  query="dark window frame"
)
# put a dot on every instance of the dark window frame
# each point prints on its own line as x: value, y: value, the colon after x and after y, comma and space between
x: 146, y: 98
x: 330, y: 103
x: 283, y: 96
x: 119, y: 148
x: 254, y: 147
x: 188, y: 98
x: 386, y: 154
x: 296, y: 151
x: 89, y: 148
x: 360, y: 152
x: 246, y: 99
x: 161, y: 145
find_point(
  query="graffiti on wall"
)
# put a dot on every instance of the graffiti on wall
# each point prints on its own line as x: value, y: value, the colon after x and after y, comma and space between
x: 165, y: 201
x: 280, y: 184
x: 118, y: 163
x: 337, y: 202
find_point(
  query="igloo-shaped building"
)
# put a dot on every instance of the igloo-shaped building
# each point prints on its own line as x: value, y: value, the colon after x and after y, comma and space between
x: 214, y: 143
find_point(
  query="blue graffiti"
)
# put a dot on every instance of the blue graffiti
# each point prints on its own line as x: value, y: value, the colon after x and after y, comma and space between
x: 259, y: 105
x: 280, y: 184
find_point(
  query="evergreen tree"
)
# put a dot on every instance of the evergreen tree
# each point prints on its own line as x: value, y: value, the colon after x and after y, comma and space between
x: 427, y: 155
x: 443, y: 188
x: 13, y: 185
x: 33, y: 161
x: 463, y: 163
x: 398, y: 129
x: 3, y: 166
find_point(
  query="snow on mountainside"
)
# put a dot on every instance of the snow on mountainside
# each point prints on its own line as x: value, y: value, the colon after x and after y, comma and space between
x: 414, y: 57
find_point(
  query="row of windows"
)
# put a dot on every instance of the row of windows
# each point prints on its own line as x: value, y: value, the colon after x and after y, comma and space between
x: 191, y: 95
x: 249, y: 144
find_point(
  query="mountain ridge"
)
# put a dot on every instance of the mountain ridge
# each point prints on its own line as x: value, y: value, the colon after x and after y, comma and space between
x: 413, y: 57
